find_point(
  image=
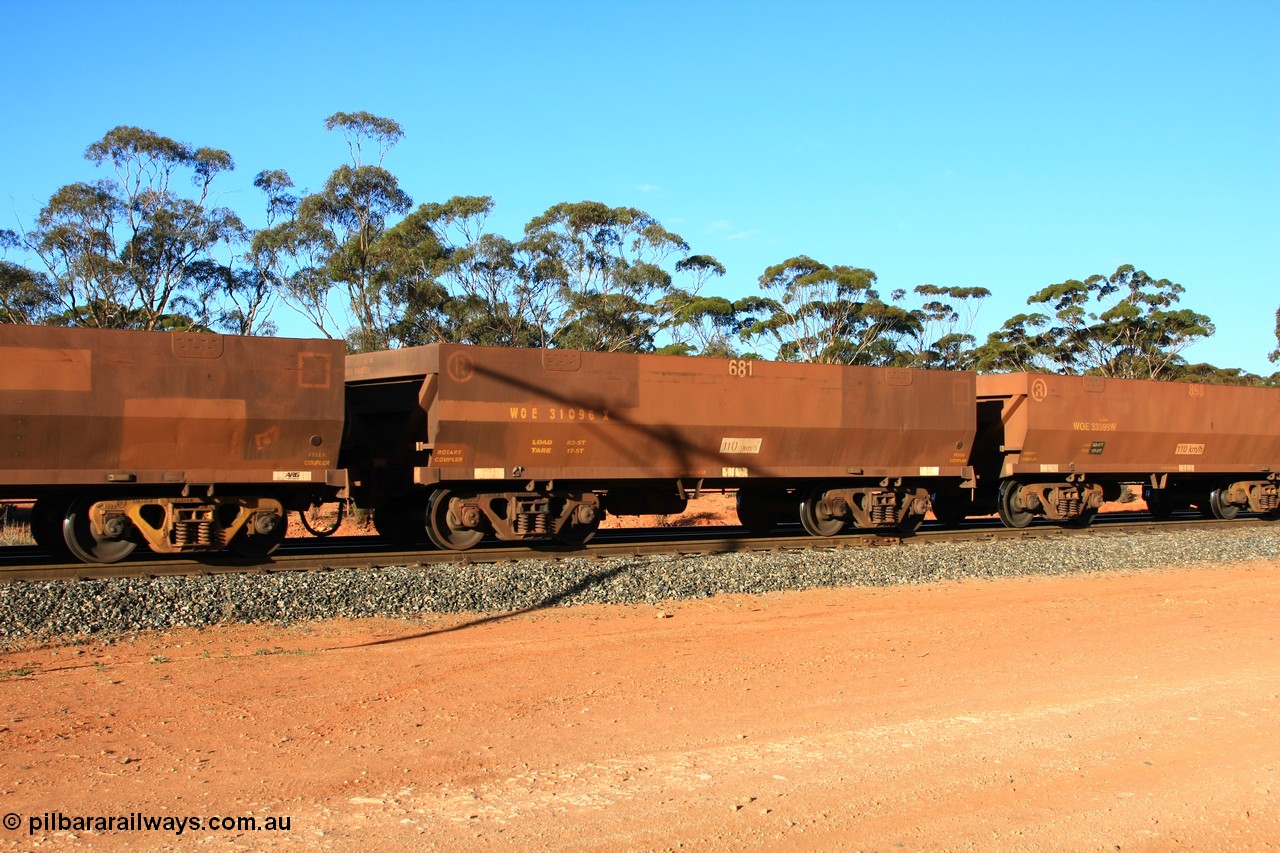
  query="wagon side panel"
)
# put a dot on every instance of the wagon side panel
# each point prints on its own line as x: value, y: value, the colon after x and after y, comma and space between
x: 94, y: 406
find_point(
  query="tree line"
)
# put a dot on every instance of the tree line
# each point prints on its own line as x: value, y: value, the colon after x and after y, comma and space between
x: 146, y: 247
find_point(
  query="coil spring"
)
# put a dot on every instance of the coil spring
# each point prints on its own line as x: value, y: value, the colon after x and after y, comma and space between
x: 1269, y: 500
x: 189, y: 533
x: 1069, y: 505
x: 532, y: 524
x: 884, y: 514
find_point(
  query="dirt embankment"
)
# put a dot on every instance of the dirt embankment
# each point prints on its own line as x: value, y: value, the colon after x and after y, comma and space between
x: 1098, y: 712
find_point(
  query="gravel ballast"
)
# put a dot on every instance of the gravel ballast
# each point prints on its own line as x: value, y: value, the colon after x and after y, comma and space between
x: 101, y: 608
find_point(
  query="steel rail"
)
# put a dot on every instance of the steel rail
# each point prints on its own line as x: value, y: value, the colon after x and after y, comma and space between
x: 27, y: 563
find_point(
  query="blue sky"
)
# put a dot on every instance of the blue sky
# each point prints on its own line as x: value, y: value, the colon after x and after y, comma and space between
x: 1003, y: 145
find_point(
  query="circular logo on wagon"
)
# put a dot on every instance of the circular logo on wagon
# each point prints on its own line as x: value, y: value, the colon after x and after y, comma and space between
x: 461, y: 367
x: 1039, y: 390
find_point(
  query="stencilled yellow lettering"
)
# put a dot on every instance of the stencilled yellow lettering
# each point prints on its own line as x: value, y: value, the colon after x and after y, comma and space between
x: 576, y: 415
x: 317, y: 459
x: 1094, y: 426
x: 447, y: 456
x: 557, y: 413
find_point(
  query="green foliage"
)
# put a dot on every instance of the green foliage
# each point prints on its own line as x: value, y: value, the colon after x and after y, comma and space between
x: 1209, y: 375
x: 585, y: 275
x: 831, y: 315
x: 458, y: 283
x: 143, y: 247
x: 600, y: 271
x: 331, y: 237
x: 700, y: 324
x: 130, y: 251
x: 362, y: 128
x: 1125, y: 325
x: 945, y: 317
x: 290, y: 255
x: 26, y: 296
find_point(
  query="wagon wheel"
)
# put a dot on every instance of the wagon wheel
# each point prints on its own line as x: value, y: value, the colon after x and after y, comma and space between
x: 46, y: 525
x: 322, y: 530
x: 258, y: 545
x: 816, y: 517
x: 1219, y: 508
x: 755, y: 511
x: 578, y: 534
x: 1012, y: 512
x: 87, y: 545
x: 444, y: 529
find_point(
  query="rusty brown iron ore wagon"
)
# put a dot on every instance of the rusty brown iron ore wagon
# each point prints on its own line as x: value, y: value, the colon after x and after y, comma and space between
x: 197, y: 442
x: 1058, y: 446
x: 184, y: 442
x: 526, y: 443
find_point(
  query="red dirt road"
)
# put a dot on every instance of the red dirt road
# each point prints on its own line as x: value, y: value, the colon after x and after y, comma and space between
x: 1103, y: 712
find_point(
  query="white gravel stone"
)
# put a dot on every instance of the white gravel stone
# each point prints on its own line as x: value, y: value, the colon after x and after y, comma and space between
x: 103, y: 608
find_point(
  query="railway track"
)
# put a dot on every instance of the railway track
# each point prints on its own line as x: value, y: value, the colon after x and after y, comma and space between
x: 27, y: 563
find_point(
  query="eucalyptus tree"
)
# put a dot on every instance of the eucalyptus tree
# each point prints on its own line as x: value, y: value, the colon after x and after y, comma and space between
x: 460, y: 283
x: 946, y: 316
x: 1209, y: 374
x: 329, y: 241
x: 245, y: 302
x: 1016, y: 347
x: 290, y: 254
x: 813, y: 312
x: 700, y: 323
x: 599, y: 272
x: 1125, y: 325
x: 130, y: 251
x: 251, y: 291
x: 26, y: 296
